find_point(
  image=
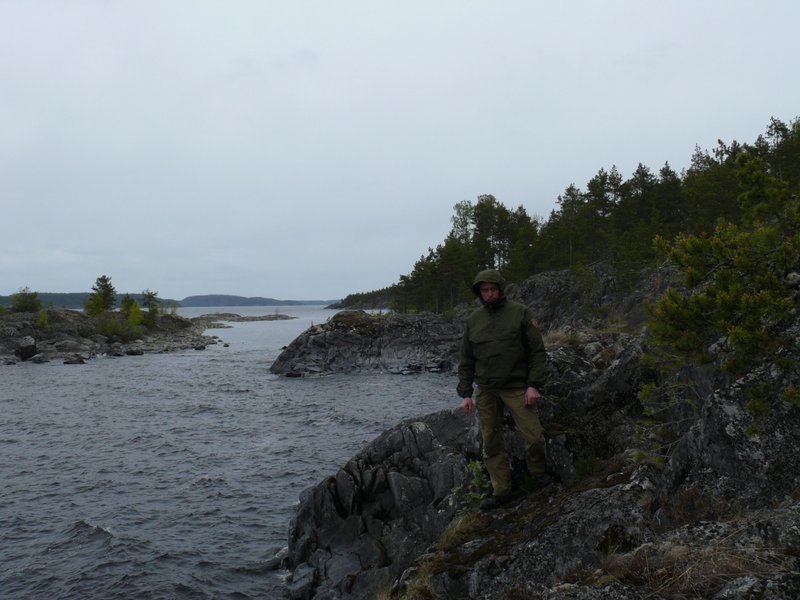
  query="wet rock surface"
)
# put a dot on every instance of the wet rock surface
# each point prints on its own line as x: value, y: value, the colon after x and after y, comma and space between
x: 670, y: 485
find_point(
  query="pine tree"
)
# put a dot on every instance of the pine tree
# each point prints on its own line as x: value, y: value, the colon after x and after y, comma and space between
x: 737, y: 298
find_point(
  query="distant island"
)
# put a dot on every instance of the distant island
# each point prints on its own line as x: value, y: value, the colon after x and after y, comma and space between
x: 77, y: 300
x: 227, y: 300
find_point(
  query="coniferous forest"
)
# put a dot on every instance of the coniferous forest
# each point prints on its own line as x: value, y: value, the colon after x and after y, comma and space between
x: 624, y: 222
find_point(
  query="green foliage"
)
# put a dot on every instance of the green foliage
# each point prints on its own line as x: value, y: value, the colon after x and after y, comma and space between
x: 151, y: 302
x: 479, y: 486
x: 114, y: 325
x: 753, y: 430
x: 585, y: 277
x: 25, y: 301
x: 757, y: 401
x: 94, y: 305
x: 130, y: 310
x: 709, y: 190
x: 41, y: 321
x: 134, y: 316
x: 665, y: 413
x: 792, y: 395
x: 126, y: 304
x: 784, y: 363
x: 484, y: 234
x: 102, y: 298
x: 375, y: 299
x: 76, y: 300
x: 646, y: 392
x: 736, y: 294
x: 615, y: 220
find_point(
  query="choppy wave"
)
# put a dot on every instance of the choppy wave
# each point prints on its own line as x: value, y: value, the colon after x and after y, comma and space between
x: 175, y: 475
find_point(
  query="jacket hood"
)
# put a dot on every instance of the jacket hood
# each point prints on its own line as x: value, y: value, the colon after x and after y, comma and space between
x: 488, y: 276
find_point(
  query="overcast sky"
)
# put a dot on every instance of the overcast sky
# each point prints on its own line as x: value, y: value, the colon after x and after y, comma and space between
x: 310, y: 149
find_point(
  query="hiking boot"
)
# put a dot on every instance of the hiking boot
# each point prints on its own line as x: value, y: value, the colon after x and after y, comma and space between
x: 493, y: 502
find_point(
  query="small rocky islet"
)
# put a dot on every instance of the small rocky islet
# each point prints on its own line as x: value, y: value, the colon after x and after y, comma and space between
x: 72, y: 336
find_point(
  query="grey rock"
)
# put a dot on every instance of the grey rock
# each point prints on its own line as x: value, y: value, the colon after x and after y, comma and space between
x: 701, y: 501
x: 356, y: 341
x: 26, y: 349
x: 69, y: 333
x: 362, y: 527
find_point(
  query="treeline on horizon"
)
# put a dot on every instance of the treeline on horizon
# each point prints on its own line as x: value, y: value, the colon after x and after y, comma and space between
x: 614, y: 220
x: 78, y: 300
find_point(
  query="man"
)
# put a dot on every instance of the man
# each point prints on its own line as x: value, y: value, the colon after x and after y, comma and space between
x: 503, y: 353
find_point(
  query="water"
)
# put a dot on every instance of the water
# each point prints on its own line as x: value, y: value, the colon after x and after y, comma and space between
x: 176, y: 475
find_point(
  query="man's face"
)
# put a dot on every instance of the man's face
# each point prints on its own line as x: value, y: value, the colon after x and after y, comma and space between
x: 489, y: 292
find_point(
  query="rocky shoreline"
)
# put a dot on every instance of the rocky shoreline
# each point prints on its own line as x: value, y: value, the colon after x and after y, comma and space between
x: 72, y: 336
x: 353, y: 340
x: 356, y: 341
x: 668, y: 484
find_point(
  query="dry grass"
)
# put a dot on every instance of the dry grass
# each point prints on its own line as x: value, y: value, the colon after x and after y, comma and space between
x: 563, y: 337
x: 669, y: 569
x: 418, y: 588
x: 467, y: 526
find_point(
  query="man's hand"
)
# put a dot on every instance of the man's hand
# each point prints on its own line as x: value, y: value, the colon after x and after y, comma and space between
x: 532, y: 396
x: 466, y: 404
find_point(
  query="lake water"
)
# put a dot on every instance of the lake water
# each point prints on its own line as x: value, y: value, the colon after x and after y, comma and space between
x: 175, y: 475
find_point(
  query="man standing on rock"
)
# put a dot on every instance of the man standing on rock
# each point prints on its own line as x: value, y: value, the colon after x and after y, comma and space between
x: 502, y: 352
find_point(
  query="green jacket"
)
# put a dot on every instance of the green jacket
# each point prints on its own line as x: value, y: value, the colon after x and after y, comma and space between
x: 501, y: 349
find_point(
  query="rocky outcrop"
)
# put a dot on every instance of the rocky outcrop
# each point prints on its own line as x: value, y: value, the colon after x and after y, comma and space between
x: 593, y: 298
x: 69, y: 335
x: 406, y: 488
x: 354, y: 340
x: 363, y: 527
x: 357, y: 341
x: 672, y: 485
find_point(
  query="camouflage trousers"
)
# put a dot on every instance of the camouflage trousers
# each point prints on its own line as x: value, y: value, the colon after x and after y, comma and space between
x: 490, y: 404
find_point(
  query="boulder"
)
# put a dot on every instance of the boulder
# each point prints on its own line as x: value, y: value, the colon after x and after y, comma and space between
x: 26, y: 349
